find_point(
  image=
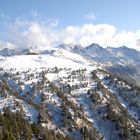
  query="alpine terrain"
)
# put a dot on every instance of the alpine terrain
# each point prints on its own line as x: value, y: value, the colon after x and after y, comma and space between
x: 70, y: 92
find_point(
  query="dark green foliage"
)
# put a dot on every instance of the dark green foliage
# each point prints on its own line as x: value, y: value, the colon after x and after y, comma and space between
x: 14, y: 127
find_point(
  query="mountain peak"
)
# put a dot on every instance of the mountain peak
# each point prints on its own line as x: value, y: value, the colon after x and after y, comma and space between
x: 94, y: 47
x: 124, y: 48
x: 34, y: 49
x: 7, y: 52
x: 68, y: 46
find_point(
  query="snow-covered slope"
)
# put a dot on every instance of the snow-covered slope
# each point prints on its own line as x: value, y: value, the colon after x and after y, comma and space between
x: 125, y: 53
x: 63, y: 90
x: 73, y: 102
x: 60, y: 58
x: 117, y: 60
x: 72, y: 55
x: 120, y: 55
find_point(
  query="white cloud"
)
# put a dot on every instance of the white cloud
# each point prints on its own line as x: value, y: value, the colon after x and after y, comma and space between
x: 138, y: 42
x: 90, y: 16
x: 6, y: 45
x: 88, y: 34
x: 103, y: 34
x: 24, y: 33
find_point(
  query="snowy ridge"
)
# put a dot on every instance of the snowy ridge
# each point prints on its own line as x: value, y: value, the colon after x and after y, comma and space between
x: 94, y: 52
x: 60, y: 58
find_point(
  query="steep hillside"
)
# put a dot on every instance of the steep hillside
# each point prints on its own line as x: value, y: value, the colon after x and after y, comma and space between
x: 76, y: 104
x: 65, y: 93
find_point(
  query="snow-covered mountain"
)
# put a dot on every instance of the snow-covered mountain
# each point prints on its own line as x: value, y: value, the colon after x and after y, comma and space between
x: 68, y: 47
x: 100, y: 54
x: 71, y: 92
x: 33, y: 50
x: 121, y: 60
x: 7, y: 52
x: 50, y: 58
x: 74, y: 104
x: 125, y: 52
x: 94, y: 52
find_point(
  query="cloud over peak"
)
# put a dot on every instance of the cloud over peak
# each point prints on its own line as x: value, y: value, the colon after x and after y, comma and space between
x: 26, y: 33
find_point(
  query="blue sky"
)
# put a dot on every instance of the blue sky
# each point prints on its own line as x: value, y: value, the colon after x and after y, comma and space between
x: 123, y: 15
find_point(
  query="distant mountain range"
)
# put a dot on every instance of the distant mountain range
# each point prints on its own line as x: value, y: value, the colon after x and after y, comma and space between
x: 122, y: 60
x: 94, y: 52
